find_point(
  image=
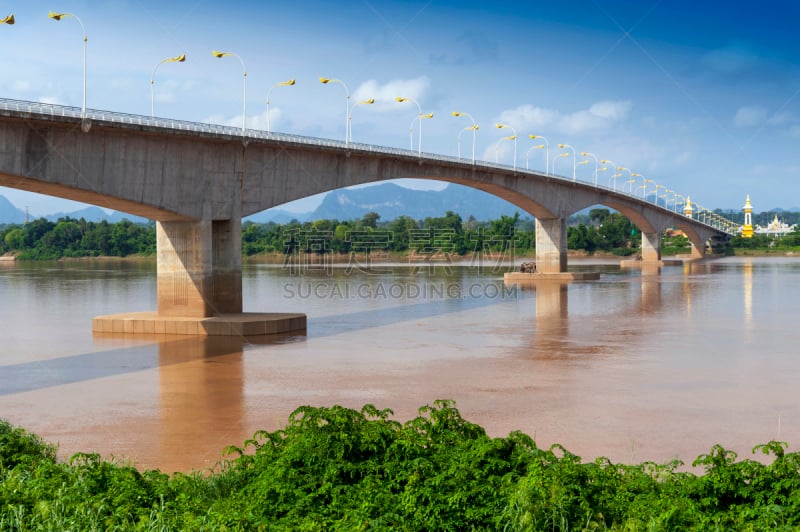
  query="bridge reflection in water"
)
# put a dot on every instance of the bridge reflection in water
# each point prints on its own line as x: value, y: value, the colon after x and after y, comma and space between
x: 201, y: 406
x: 201, y: 384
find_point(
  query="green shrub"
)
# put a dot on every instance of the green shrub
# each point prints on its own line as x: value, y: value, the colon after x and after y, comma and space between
x: 342, y: 469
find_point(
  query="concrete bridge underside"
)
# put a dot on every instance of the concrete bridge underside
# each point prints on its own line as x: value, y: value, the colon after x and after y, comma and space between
x: 198, y: 186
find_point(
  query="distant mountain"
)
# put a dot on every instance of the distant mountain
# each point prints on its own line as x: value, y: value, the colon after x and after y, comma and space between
x: 391, y: 201
x: 96, y: 214
x: 117, y: 216
x: 10, y: 214
x: 276, y: 215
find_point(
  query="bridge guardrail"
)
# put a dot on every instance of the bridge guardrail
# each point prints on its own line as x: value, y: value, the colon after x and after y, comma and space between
x: 709, y: 218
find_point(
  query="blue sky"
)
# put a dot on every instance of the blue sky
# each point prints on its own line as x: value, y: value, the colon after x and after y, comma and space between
x: 702, y: 97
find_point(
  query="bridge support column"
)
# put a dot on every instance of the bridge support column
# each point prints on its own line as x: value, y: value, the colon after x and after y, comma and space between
x: 651, y: 246
x: 200, y: 287
x: 551, y: 245
x: 698, y: 249
x: 199, y: 268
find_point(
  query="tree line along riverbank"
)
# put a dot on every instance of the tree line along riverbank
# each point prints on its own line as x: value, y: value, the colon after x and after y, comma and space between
x: 333, y: 468
x: 598, y: 232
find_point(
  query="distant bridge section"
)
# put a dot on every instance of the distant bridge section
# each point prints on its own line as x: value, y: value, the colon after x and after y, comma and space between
x: 198, y: 181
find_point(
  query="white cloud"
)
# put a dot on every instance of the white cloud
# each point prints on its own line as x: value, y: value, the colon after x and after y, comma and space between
x: 52, y: 100
x: 601, y: 116
x: 580, y: 122
x: 611, y: 110
x: 750, y: 116
x: 527, y: 115
x: 385, y: 94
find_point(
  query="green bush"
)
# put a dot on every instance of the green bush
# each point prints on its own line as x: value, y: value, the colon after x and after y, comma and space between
x: 342, y: 469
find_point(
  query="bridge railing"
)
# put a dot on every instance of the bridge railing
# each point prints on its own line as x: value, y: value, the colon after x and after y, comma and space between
x: 699, y: 214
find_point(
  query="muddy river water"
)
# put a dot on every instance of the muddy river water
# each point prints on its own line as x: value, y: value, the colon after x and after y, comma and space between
x: 650, y: 365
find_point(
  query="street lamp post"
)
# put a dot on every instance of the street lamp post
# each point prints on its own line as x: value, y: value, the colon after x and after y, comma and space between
x: 613, y: 166
x: 325, y: 81
x: 700, y: 211
x: 458, y: 141
x: 583, y: 162
x: 682, y: 202
x: 473, y: 128
x: 287, y: 83
x: 512, y: 137
x: 665, y: 194
x: 602, y: 169
x: 592, y: 155
x: 562, y: 154
x: 59, y: 16
x: 411, y: 130
x: 215, y: 53
x: 177, y: 59
x: 643, y: 185
x: 546, y: 152
x: 420, y: 116
x: 614, y: 177
x: 624, y: 169
x: 497, y: 146
x: 563, y: 146
x: 368, y: 101
x: 674, y: 200
x: 527, y: 154
x: 8, y: 20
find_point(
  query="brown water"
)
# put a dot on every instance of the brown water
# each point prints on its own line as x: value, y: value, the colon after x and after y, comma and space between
x: 637, y: 366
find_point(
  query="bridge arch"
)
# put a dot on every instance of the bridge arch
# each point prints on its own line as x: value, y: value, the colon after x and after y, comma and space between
x: 526, y: 204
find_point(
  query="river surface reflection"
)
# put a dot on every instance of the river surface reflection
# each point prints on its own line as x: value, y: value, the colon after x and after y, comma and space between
x: 641, y: 365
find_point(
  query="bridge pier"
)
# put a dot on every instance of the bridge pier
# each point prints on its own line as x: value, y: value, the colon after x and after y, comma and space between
x: 551, y: 256
x: 698, y: 250
x: 651, y: 246
x: 199, y: 268
x: 650, y: 260
x: 199, y: 285
x: 551, y: 245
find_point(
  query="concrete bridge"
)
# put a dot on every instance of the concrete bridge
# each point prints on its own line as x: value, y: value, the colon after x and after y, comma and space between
x: 197, y: 181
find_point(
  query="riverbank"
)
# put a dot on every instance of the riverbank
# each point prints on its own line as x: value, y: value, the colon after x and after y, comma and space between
x: 743, y: 252
x: 411, y: 258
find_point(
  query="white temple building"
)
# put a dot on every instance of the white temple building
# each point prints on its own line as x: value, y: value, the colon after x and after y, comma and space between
x: 775, y: 228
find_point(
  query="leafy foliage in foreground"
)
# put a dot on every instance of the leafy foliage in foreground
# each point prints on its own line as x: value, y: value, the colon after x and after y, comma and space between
x: 337, y: 468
